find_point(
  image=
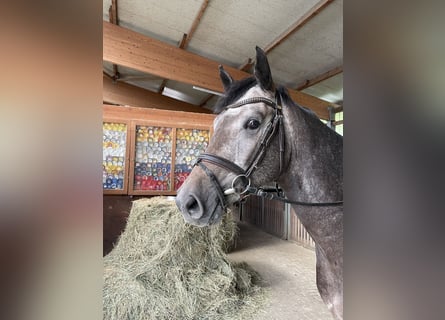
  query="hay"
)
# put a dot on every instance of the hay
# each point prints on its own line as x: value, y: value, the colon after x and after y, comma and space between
x: 162, y: 268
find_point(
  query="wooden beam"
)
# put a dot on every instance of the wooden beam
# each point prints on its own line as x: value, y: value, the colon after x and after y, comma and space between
x: 162, y: 86
x: 162, y: 117
x: 126, y: 94
x: 203, y: 102
x: 316, y: 9
x: 112, y: 15
x: 134, y: 50
x: 113, y: 12
x: 195, y: 23
x: 182, y: 42
x: 246, y: 65
x: 338, y: 108
x: 186, y: 37
x: 181, y: 46
x: 336, y: 123
x: 320, y: 78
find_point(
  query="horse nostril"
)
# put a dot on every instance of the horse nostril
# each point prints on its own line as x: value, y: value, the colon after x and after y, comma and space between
x: 194, y: 207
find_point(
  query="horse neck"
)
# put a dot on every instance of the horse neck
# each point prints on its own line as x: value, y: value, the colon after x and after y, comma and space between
x: 314, y: 171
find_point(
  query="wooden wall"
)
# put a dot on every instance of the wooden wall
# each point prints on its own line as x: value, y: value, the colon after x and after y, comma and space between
x: 116, y: 209
x: 269, y: 215
x: 276, y: 218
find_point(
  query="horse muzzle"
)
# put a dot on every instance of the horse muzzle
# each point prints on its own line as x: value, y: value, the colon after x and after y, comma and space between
x: 199, y: 207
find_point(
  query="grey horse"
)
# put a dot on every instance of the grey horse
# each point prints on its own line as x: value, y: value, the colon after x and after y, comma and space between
x: 250, y: 147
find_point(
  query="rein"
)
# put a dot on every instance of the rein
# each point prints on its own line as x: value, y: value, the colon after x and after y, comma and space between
x: 274, y: 126
x: 269, y: 194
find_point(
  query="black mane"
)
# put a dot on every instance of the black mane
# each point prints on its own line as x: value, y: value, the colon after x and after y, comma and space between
x: 287, y: 100
x: 236, y: 90
x: 310, y: 116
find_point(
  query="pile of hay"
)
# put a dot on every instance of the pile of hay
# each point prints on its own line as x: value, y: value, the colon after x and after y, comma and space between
x: 162, y: 268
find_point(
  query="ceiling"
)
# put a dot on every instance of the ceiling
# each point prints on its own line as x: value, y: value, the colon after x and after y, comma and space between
x: 303, y: 40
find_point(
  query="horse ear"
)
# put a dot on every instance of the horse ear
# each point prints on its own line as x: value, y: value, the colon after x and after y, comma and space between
x: 225, y: 78
x: 262, y: 71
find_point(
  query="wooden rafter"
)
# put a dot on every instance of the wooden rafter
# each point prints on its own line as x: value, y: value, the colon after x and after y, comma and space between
x: 338, y: 107
x: 112, y: 12
x: 246, y: 65
x: 320, y: 78
x: 134, y: 50
x: 181, y: 46
x: 112, y: 15
x: 162, y: 86
x: 186, y: 37
x: 195, y: 23
x: 203, y: 102
x: 182, y: 42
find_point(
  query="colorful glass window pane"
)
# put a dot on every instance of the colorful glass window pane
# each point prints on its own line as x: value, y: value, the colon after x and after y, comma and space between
x: 113, y: 155
x: 189, y: 144
x: 153, y: 158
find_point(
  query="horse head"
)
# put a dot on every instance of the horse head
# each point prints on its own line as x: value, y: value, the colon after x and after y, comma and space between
x: 244, y: 149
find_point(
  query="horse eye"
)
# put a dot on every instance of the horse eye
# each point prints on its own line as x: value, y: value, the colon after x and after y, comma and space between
x: 252, y: 124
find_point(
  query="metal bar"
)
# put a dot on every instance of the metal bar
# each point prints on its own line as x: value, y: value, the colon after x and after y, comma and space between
x: 287, y: 214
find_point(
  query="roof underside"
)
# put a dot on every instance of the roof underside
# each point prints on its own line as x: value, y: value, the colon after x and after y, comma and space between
x: 228, y: 32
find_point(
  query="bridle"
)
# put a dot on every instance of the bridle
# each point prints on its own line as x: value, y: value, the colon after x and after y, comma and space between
x: 274, y: 126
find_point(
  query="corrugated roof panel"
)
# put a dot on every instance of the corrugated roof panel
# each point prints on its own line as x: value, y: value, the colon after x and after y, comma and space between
x: 330, y: 89
x: 230, y: 30
x: 164, y: 20
x: 314, y: 49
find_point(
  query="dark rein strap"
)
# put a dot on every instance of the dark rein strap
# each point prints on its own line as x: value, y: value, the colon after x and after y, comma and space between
x: 270, y: 195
